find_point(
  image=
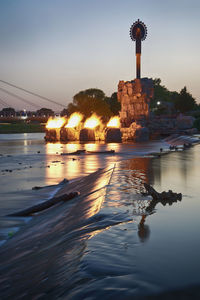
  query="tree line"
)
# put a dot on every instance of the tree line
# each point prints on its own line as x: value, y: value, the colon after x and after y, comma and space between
x: 94, y: 100
x: 177, y: 102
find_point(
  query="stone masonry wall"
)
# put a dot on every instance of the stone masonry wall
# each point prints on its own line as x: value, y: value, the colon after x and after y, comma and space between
x: 134, y: 97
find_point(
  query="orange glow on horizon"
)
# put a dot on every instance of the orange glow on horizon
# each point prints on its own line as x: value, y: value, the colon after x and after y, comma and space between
x: 74, y: 120
x: 92, y: 122
x: 55, y: 123
x: 114, y: 122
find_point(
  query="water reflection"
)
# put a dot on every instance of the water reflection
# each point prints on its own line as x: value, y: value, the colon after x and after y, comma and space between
x: 91, y: 147
x: 128, y: 189
x: 52, y: 148
x: 73, y: 166
x: 141, y: 172
x: 70, y: 147
x: 143, y: 230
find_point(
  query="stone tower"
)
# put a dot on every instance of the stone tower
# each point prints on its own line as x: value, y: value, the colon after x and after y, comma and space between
x: 134, y: 97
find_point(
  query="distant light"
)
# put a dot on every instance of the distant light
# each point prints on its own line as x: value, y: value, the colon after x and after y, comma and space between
x: 158, y: 102
x: 24, y: 110
x: 24, y: 117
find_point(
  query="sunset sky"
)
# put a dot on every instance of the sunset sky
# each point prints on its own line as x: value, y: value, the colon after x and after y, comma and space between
x: 58, y: 47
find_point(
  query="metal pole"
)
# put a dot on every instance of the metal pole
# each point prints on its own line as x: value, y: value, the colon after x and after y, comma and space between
x: 138, y: 55
x: 138, y: 52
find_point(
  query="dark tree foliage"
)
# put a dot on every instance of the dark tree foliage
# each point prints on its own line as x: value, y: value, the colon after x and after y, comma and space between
x: 64, y: 112
x: 181, y: 102
x: 161, y: 93
x: 185, y: 102
x: 197, y: 123
x: 90, y: 101
x: 45, y: 111
x: 113, y: 103
x: 8, y: 111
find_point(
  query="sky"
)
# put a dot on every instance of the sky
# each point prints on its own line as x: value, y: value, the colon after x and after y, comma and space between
x: 57, y: 48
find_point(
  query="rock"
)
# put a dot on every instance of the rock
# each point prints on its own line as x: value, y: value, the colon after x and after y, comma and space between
x: 134, y: 97
x: 87, y: 134
x: 185, y: 122
x: 68, y: 134
x: 191, y: 131
x: 64, y: 181
x: 113, y: 135
x: 141, y: 134
x: 52, y: 135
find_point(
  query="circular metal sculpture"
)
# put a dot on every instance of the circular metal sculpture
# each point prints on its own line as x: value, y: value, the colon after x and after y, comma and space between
x: 138, y: 28
x: 138, y: 33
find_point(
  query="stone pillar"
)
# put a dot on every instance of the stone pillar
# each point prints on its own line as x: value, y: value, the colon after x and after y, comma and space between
x: 134, y: 97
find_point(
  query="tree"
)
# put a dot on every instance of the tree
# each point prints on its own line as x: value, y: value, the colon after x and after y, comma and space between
x: 8, y: 112
x: 197, y: 123
x: 161, y: 93
x: 64, y: 112
x: 90, y: 101
x: 114, y: 104
x: 45, y: 112
x: 185, y: 102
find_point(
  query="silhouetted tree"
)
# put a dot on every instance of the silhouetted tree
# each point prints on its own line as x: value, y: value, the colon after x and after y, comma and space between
x: 64, y: 112
x: 114, y: 104
x: 197, y: 123
x: 45, y: 112
x: 8, y: 112
x: 185, y: 102
x: 161, y: 93
x: 90, y: 101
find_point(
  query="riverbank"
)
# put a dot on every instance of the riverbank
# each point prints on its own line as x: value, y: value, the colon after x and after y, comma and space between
x: 22, y: 127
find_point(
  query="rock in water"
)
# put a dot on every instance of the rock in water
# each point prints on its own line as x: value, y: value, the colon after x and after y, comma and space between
x: 68, y: 134
x: 113, y: 135
x: 141, y: 134
x: 51, y: 135
x: 87, y: 134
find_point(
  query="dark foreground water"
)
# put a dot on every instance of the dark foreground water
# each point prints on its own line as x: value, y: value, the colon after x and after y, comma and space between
x: 104, y: 244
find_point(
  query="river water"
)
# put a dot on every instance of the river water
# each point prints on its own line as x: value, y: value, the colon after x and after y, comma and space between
x: 107, y: 245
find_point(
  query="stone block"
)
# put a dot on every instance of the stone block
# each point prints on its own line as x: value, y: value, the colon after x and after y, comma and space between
x: 185, y: 122
x: 134, y: 97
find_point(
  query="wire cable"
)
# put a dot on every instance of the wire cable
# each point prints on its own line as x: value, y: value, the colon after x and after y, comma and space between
x: 32, y: 93
x: 20, y: 98
x: 4, y: 103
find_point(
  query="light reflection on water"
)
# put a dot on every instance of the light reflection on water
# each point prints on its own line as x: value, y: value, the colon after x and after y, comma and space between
x: 154, y: 252
x: 73, y: 166
x: 158, y: 252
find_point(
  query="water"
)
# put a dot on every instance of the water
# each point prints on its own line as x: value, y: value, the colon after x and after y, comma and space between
x: 95, y: 247
x: 27, y: 161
